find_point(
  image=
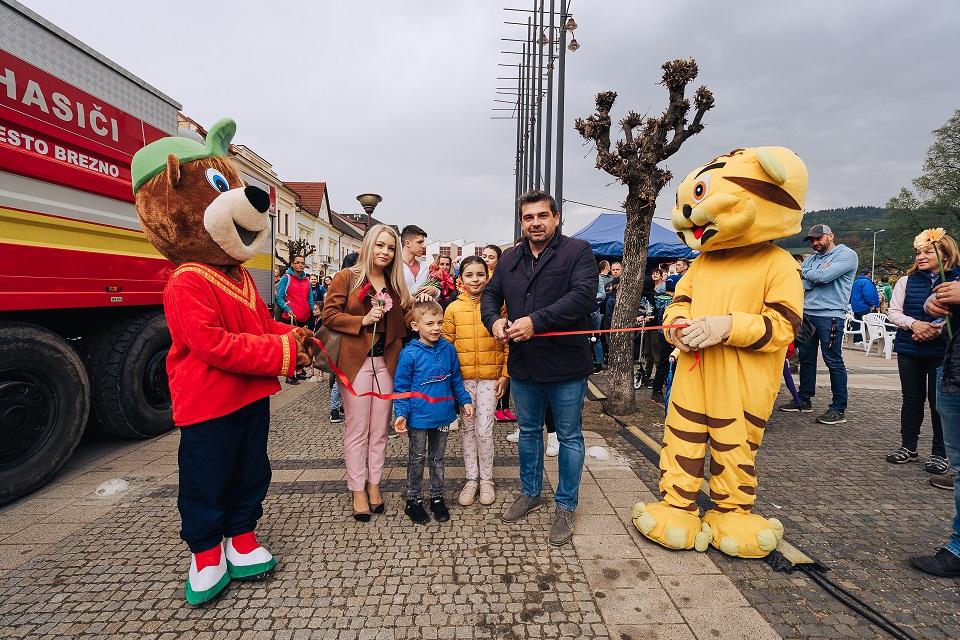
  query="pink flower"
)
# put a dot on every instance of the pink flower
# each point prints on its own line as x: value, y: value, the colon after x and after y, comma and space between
x: 383, y: 300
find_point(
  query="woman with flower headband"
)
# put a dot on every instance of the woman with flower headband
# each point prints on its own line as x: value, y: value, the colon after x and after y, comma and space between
x: 921, y: 343
x: 366, y: 304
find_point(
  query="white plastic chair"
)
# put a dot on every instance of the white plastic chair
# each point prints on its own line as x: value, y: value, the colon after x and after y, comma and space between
x: 874, y: 323
x: 854, y: 327
x: 889, y: 333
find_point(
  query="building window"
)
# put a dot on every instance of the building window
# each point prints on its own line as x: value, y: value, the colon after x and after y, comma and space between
x: 445, y: 250
x: 478, y: 251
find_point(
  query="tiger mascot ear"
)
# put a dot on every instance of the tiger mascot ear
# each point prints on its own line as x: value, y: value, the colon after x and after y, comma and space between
x: 771, y: 165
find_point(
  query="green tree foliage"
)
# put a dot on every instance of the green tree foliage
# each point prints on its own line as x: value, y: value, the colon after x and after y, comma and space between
x: 934, y: 200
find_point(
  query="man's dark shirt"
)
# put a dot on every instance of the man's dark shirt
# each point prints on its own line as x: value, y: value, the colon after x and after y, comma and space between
x: 557, y: 289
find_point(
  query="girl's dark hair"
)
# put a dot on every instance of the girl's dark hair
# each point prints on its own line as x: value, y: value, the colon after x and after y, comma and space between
x: 469, y: 260
x: 495, y: 249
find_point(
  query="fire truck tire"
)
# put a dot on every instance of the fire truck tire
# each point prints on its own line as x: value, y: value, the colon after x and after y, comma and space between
x: 44, y: 404
x: 128, y: 374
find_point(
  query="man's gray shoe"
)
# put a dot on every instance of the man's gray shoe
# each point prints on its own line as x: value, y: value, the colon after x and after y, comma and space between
x: 832, y: 417
x: 562, y: 529
x: 520, y: 508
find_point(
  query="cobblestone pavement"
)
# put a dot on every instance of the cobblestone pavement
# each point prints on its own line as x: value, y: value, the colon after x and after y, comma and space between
x: 82, y: 558
x: 849, y: 509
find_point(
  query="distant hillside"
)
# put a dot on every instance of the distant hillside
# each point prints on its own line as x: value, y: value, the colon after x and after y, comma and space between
x: 849, y: 224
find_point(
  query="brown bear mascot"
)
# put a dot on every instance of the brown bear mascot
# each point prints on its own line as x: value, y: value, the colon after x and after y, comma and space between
x: 227, y: 351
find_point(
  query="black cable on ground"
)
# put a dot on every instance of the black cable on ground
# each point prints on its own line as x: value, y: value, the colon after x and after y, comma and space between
x: 779, y: 563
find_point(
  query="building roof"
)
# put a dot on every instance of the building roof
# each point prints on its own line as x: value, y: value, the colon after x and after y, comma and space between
x: 343, y: 226
x: 311, y: 194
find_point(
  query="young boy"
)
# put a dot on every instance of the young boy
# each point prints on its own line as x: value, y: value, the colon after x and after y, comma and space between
x: 429, y: 365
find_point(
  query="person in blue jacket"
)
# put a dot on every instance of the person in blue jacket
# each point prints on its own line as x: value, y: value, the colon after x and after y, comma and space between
x: 864, y: 298
x: 428, y: 365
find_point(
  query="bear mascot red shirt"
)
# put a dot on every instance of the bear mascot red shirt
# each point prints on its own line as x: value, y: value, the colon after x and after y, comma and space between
x: 226, y: 354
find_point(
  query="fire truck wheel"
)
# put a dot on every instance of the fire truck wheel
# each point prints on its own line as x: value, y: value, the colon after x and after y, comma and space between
x: 44, y: 403
x: 128, y: 373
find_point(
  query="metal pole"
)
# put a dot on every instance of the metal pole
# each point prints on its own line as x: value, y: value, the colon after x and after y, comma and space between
x: 548, y: 164
x: 873, y: 256
x: 537, y: 34
x: 560, y: 88
x: 531, y: 115
x: 518, y: 166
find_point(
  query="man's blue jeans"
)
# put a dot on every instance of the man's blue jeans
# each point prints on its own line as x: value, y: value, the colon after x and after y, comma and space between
x: 597, y: 346
x: 566, y: 401
x: 948, y: 406
x: 828, y: 337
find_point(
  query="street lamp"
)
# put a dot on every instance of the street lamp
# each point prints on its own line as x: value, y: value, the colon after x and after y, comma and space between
x: 873, y: 256
x: 369, y: 202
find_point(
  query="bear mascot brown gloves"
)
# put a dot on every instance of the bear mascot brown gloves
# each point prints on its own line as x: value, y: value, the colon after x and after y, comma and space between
x: 226, y: 353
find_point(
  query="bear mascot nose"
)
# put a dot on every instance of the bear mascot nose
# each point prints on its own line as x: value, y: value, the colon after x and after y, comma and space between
x: 258, y: 198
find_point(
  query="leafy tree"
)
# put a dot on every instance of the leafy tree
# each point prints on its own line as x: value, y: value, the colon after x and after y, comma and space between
x: 934, y: 200
x: 648, y: 141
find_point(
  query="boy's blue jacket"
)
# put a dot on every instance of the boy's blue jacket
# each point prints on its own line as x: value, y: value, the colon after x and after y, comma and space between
x: 435, y: 372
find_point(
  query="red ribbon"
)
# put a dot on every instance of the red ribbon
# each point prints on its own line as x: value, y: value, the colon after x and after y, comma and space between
x: 342, y: 377
x: 345, y: 382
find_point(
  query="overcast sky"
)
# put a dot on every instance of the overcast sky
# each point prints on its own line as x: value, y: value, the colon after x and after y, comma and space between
x: 395, y: 97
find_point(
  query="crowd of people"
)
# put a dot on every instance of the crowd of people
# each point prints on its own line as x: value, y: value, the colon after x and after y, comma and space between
x: 452, y: 338
x: 433, y: 347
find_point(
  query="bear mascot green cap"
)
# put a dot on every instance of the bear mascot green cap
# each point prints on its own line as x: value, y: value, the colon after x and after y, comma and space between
x: 227, y: 351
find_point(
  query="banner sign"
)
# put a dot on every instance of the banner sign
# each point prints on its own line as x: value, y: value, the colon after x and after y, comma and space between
x: 51, y: 130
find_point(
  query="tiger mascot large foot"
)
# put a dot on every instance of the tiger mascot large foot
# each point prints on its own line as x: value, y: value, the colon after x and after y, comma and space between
x: 741, y: 303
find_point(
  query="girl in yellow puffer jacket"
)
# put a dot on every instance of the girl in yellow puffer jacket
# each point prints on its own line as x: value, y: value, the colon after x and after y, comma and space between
x: 483, y: 362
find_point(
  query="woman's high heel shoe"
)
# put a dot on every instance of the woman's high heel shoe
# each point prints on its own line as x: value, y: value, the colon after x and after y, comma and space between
x: 361, y: 516
x: 377, y: 508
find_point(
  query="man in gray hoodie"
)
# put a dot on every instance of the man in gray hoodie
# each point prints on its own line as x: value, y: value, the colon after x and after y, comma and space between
x: 827, y: 279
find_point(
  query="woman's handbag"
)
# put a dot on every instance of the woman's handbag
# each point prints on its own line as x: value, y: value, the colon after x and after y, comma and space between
x: 331, y: 342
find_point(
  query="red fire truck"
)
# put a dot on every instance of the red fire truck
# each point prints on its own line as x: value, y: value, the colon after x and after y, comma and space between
x: 82, y: 333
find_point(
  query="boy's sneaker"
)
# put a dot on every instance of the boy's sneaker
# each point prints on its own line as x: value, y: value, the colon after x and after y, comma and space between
x: 937, y: 465
x: 439, y: 509
x: 902, y: 456
x: 292, y: 381
x: 832, y: 417
x: 416, y: 512
x: 509, y: 415
x: 335, y: 416
x: 514, y: 437
x: 520, y: 508
x: 301, y: 375
x: 498, y: 414
x: 793, y: 407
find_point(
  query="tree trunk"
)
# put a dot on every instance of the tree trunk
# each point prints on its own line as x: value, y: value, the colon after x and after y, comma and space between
x: 636, y: 237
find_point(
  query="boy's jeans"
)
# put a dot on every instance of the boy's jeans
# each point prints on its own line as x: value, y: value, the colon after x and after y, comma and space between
x: 436, y: 441
x: 566, y: 401
x: 828, y: 337
x: 948, y: 406
x: 335, y: 401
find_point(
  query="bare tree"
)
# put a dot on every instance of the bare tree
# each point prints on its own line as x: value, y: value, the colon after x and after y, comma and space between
x: 295, y: 248
x: 647, y: 142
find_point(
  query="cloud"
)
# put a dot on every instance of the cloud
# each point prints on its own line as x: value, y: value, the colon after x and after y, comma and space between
x: 395, y: 97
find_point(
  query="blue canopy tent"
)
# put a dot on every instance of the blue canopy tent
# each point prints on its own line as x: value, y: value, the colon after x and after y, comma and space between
x: 605, y: 235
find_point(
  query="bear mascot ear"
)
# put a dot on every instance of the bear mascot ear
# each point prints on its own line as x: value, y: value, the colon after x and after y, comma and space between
x: 173, y: 170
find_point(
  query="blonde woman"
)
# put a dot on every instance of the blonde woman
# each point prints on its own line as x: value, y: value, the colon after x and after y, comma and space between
x: 373, y: 329
x: 920, y: 345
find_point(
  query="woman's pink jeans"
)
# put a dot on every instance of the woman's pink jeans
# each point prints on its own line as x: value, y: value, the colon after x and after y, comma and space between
x: 366, y: 421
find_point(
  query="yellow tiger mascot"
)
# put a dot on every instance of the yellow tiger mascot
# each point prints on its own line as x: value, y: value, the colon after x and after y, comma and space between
x: 742, y: 302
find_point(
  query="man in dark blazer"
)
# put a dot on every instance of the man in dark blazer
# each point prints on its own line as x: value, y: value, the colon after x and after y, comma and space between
x: 548, y: 282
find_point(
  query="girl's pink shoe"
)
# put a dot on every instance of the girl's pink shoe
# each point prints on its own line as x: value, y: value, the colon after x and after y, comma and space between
x: 509, y: 416
x: 498, y: 414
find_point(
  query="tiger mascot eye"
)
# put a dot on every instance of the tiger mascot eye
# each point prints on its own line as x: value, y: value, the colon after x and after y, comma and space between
x: 742, y: 303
